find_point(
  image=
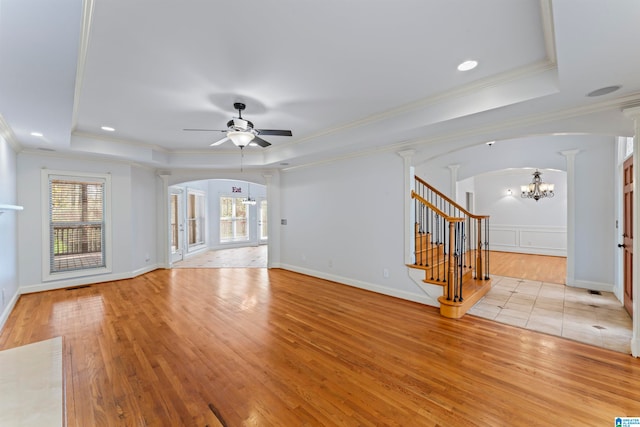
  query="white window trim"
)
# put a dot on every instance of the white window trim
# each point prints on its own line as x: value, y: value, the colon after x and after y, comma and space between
x: 47, y: 275
x: 196, y: 246
x: 233, y: 241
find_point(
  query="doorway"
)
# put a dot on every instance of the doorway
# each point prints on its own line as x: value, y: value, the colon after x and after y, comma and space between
x: 230, y: 215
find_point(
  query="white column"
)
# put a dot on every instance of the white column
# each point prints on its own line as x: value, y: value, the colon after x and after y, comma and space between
x: 634, y: 113
x: 453, y: 181
x: 272, y: 183
x: 571, y: 215
x: 164, y: 231
x: 409, y: 242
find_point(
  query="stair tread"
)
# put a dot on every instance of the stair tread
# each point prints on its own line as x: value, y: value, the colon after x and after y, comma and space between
x: 472, y: 291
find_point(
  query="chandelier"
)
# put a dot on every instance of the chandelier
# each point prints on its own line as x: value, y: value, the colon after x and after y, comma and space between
x: 249, y: 200
x: 537, y: 189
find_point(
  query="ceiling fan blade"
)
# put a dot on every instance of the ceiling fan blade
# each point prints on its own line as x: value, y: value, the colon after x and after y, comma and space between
x: 225, y: 139
x: 261, y: 142
x: 274, y: 132
x: 205, y: 130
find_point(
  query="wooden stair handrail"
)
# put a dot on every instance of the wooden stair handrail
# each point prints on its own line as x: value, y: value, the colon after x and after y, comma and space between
x: 415, y: 195
x: 456, y: 205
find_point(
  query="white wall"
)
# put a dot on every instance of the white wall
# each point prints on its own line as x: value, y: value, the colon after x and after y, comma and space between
x: 128, y: 253
x: 8, y: 232
x: 345, y: 222
x: 523, y: 225
x: 595, y: 240
x: 143, y: 219
x: 493, y: 199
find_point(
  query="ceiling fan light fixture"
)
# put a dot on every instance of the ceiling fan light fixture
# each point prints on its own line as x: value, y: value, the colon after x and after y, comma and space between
x: 239, y: 138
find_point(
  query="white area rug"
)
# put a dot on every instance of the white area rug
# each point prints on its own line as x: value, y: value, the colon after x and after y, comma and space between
x: 31, y: 385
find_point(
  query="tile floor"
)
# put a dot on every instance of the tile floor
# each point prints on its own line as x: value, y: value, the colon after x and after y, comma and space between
x: 248, y: 257
x: 560, y: 310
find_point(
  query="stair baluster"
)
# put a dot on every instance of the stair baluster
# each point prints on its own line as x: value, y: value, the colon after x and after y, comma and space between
x: 449, y: 240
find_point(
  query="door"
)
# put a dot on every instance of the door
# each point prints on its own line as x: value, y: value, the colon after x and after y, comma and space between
x: 176, y: 220
x: 262, y: 222
x: 627, y: 235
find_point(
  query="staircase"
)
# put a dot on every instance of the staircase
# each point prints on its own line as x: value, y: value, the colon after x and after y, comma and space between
x: 451, y: 246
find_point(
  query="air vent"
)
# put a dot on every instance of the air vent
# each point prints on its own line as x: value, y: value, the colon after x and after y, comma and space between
x: 73, y: 288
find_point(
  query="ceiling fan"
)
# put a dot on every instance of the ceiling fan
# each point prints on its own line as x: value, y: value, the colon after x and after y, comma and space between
x: 242, y: 133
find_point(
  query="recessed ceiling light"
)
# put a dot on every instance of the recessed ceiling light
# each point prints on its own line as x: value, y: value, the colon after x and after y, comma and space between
x: 36, y: 133
x: 468, y: 65
x: 107, y: 128
x: 604, y: 90
x: 490, y: 143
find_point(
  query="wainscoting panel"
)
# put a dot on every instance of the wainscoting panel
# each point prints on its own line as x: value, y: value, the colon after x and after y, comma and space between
x: 538, y: 240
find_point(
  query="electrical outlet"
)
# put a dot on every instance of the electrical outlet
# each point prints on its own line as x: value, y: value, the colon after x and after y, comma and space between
x: 385, y: 273
x: 330, y: 263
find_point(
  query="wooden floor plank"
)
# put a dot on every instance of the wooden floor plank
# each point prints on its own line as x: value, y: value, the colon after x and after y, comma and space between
x: 272, y: 347
x: 542, y: 268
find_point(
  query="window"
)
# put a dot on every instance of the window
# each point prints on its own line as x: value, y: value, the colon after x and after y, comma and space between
x: 196, y: 217
x: 264, y: 220
x: 233, y: 220
x: 76, y: 231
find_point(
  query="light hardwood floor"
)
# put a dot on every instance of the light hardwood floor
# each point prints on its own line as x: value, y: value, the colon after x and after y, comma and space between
x: 542, y: 268
x: 275, y: 348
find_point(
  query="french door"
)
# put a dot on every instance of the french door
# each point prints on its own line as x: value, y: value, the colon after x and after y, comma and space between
x: 263, y: 233
x: 176, y: 220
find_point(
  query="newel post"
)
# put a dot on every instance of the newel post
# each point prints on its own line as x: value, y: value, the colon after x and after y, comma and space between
x: 451, y: 265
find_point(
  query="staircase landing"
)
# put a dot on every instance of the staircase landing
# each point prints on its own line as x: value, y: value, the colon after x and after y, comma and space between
x: 472, y: 291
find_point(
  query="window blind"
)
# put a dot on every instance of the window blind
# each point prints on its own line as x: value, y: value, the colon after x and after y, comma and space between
x: 77, y: 224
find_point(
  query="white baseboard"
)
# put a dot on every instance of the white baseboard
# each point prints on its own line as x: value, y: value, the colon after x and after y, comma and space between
x: 144, y: 270
x: 49, y: 286
x: 8, y: 309
x: 530, y: 251
x: 595, y: 286
x: 419, y: 298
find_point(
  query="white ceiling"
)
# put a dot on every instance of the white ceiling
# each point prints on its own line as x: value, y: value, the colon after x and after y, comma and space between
x: 345, y: 77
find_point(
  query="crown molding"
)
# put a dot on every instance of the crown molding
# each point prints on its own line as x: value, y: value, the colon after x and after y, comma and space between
x: 468, y: 89
x: 85, y: 33
x: 7, y: 133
